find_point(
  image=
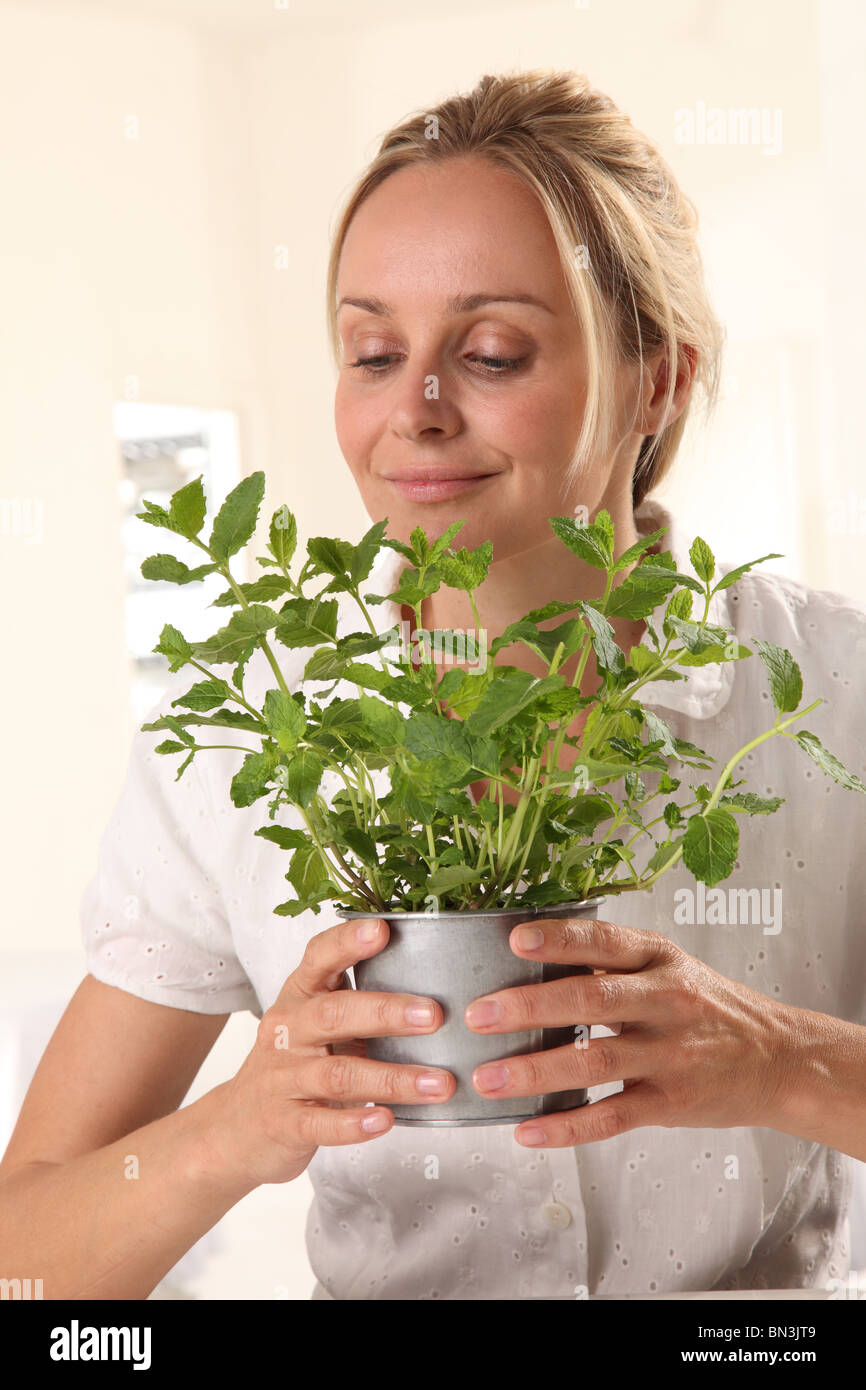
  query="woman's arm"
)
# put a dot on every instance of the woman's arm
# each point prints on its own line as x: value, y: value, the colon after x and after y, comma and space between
x: 103, y: 1186
x: 825, y: 1098
x: 94, y: 1228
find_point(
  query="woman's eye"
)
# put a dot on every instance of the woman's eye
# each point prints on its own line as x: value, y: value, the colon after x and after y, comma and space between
x: 500, y: 365
x: 371, y: 364
x: 495, y: 366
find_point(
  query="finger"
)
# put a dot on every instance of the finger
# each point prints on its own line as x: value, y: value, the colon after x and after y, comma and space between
x: 339, y: 1077
x: 584, y: 941
x: 329, y: 954
x: 584, y: 999
x: 603, y: 1119
x: 341, y: 1015
x: 567, y: 1068
x: 317, y: 1126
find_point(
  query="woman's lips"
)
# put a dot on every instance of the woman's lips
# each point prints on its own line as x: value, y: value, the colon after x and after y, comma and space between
x: 436, y: 490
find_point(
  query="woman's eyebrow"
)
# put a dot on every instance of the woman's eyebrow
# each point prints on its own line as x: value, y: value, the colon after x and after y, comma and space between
x: 460, y: 304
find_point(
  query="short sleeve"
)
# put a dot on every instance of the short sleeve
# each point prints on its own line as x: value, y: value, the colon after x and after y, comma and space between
x: 152, y: 919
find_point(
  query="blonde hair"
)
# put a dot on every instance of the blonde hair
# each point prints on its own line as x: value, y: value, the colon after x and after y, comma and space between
x: 626, y: 233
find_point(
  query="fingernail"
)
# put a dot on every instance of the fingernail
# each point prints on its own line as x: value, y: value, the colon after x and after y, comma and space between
x: 482, y: 1012
x: 367, y: 931
x: 492, y: 1078
x: 432, y: 1083
x: 373, y: 1124
x: 531, y: 1135
x: 420, y: 1014
x: 528, y: 938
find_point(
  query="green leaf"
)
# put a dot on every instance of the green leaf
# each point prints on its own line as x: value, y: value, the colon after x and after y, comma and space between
x: 330, y: 556
x: 664, y: 854
x: 715, y: 652
x: 640, y: 593
x: 285, y: 719
x: 646, y: 662
x: 168, y: 568
x: 173, y: 645
x: 608, y: 655
x: 294, y: 907
x: 270, y: 586
x: 586, y: 812
x: 653, y: 566
x: 733, y: 575
x: 710, y: 845
x: 383, y: 721
x: 307, y: 622
x: 443, y: 541
x: 604, y: 527
x: 283, y: 536
x: 304, y: 774
x: 421, y: 544
x: 827, y: 762
x: 754, y: 805
x: 417, y: 804
x: 590, y: 543
x: 453, y: 876
x: 329, y: 663
x: 635, y: 551
x: 506, y: 696
x: 680, y: 606
x: 366, y: 551
x: 230, y: 641
x: 251, y: 780
x: 696, y: 637
x: 154, y: 515
x: 169, y: 746
x: 464, y: 569
x: 204, y: 695
x: 283, y: 835
x: 402, y: 549
x: 786, y: 682
x: 360, y: 843
x: 236, y: 519
x: 183, y: 767
x: 224, y: 718
x: 658, y: 729
x: 371, y: 677
x: 702, y: 559
x: 411, y: 588
x: 187, y: 509
x: 428, y: 736
x: 307, y: 872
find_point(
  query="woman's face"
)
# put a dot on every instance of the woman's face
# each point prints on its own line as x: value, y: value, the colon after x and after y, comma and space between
x: 466, y: 383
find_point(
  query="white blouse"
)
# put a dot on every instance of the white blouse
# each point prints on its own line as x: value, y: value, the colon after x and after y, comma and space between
x: 180, y: 912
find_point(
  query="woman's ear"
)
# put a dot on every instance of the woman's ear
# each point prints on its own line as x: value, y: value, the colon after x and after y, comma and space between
x: 653, y: 417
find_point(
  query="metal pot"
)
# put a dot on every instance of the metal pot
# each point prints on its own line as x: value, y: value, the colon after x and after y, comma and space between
x: 455, y: 957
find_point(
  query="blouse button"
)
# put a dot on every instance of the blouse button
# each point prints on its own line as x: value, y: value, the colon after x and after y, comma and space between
x: 558, y: 1215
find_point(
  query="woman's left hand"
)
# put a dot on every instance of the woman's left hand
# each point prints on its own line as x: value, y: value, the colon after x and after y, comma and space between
x: 695, y: 1048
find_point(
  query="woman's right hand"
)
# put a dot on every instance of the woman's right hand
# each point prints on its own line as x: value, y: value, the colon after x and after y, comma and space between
x: 307, y: 1077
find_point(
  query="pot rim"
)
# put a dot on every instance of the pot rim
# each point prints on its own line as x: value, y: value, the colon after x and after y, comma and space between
x: 525, y: 914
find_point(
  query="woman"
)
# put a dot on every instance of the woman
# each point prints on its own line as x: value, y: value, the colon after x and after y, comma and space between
x: 519, y: 318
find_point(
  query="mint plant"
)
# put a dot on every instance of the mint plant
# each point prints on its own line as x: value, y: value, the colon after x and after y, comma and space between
x: 571, y: 835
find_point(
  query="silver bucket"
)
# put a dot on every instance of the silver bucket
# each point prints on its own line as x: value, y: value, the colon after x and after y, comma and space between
x: 455, y: 957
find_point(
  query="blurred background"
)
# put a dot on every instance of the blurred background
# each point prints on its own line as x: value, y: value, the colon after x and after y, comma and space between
x: 171, y: 173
